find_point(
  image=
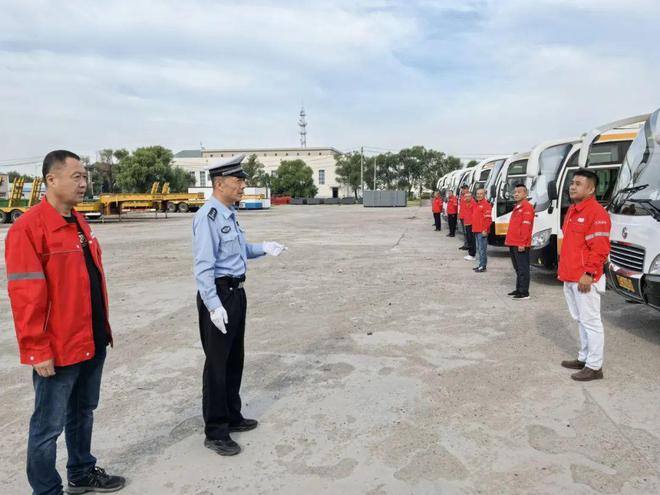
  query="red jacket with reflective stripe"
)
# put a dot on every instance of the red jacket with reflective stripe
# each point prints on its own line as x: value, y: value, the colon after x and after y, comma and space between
x: 436, y: 205
x: 467, y: 209
x: 461, y: 210
x: 481, y: 216
x: 452, y: 206
x: 49, y: 289
x: 586, y: 243
x: 521, y: 224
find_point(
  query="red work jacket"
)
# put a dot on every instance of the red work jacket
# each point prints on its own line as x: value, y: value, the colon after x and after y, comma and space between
x: 461, y: 210
x: 467, y: 211
x: 481, y: 216
x: 436, y: 205
x: 452, y: 205
x: 521, y: 225
x: 586, y: 243
x: 49, y: 289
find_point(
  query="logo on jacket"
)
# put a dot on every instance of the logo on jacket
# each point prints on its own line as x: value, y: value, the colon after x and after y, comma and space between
x: 581, y: 219
x: 624, y: 232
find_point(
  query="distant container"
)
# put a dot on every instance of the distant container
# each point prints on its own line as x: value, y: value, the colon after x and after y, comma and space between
x: 385, y: 199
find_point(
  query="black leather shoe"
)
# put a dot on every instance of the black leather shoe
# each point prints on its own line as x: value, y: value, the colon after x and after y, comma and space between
x: 480, y: 269
x: 97, y: 481
x: 463, y: 248
x: 513, y: 293
x: 223, y: 447
x: 243, y: 425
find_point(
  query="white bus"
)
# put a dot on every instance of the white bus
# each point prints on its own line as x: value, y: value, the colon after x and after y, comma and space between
x: 633, y: 269
x: 600, y: 150
x: 532, y: 169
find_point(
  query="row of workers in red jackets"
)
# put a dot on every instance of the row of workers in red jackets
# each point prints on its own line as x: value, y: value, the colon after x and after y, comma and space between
x: 478, y: 215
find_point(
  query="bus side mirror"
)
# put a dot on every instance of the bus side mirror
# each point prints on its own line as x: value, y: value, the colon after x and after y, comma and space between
x: 552, y: 190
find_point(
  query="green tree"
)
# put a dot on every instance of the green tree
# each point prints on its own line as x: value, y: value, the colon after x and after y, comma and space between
x: 138, y: 170
x: 255, y: 171
x: 437, y: 166
x: 471, y: 163
x: 347, y: 171
x: 294, y: 178
x: 180, y: 180
x: 14, y: 174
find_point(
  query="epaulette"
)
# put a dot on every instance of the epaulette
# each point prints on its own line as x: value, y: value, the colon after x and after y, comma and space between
x: 212, y: 214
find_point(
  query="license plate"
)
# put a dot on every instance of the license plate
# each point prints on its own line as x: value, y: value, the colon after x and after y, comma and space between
x: 625, y: 283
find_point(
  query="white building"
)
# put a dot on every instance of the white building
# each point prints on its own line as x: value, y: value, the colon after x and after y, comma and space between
x: 321, y: 160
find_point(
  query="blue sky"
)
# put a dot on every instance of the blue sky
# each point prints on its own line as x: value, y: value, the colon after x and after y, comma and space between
x: 467, y: 77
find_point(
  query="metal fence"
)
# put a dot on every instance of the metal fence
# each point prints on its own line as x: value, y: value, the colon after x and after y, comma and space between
x: 385, y: 198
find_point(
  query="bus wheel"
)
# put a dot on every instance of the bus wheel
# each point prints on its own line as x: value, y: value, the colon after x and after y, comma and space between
x: 4, y: 217
x: 15, y: 214
x: 171, y: 207
x: 184, y: 208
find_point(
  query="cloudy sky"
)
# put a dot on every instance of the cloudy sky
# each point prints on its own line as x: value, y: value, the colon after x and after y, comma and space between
x: 469, y: 77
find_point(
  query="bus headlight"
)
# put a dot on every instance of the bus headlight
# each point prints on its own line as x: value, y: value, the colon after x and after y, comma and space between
x: 655, y: 266
x: 541, y: 239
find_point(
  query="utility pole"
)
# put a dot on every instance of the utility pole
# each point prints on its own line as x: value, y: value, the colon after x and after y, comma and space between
x: 375, y: 165
x: 362, y: 171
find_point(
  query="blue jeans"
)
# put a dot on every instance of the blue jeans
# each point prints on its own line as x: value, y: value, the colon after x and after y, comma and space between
x: 65, y: 401
x: 482, y: 248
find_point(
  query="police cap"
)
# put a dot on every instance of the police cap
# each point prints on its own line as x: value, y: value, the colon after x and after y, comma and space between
x: 229, y: 167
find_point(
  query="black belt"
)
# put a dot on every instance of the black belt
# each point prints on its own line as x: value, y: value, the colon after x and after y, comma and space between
x: 230, y: 282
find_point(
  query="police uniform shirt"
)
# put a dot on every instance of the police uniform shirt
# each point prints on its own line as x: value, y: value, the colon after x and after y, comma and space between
x: 219, y: 249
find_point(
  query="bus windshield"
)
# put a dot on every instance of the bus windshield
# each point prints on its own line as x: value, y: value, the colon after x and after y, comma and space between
x: 516, y: 173
x: 493, y: 176
x: 638, y: 187
x: 550, y: 161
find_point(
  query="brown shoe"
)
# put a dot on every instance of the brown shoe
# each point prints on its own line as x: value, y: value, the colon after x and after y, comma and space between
x: 587, y: 374
x: 576, y: 364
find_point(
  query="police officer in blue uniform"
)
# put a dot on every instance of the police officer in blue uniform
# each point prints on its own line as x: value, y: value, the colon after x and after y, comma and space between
x: 220, y: 254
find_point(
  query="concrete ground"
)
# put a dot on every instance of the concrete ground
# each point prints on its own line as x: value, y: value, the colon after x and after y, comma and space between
x: 377, y: 363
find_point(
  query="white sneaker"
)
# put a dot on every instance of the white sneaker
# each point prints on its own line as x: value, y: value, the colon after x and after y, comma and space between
x: 469, y: 258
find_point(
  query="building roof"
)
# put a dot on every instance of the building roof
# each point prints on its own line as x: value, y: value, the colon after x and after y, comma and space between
x: 189, y: 154
x: 265, y: 150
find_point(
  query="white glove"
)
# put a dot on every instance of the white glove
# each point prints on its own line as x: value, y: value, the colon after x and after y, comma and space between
x: 219, y: 318
x: 273, y: 248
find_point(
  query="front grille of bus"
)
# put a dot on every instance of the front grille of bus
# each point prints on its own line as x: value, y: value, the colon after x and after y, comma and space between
x: 627, y: 256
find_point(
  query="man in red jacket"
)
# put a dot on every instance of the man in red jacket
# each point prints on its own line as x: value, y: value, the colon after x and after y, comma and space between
x: 462, y: 212
x: 481, y: 220
x: 467, y: 210
x: 436, y: 208
x: 452, y: 212
x: 584, y: 251
x: 60, y: 305
x: 519, y: 240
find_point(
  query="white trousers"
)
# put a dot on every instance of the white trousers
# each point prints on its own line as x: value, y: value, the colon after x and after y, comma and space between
x: 585, y: 309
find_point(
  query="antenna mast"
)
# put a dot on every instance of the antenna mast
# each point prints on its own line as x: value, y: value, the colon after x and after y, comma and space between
x: 302, y: 123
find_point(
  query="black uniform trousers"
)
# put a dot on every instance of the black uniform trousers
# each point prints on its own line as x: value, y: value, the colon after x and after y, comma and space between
x: 436, y: 217
x: 469, y: 238
x: 451, y: 218
x: 223, y: 368
x: 520, y: 261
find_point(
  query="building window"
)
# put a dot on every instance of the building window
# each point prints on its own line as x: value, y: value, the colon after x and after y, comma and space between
x: 275, y: 154
x: 286, y: 154
x: 320, y: 153
x: 309, y: 154
x: 221, y: 155
x: 211, y: 155
x: 321, y: 177
x: 297, y: 154
x: 202, y: 178
x: 265, y: 154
